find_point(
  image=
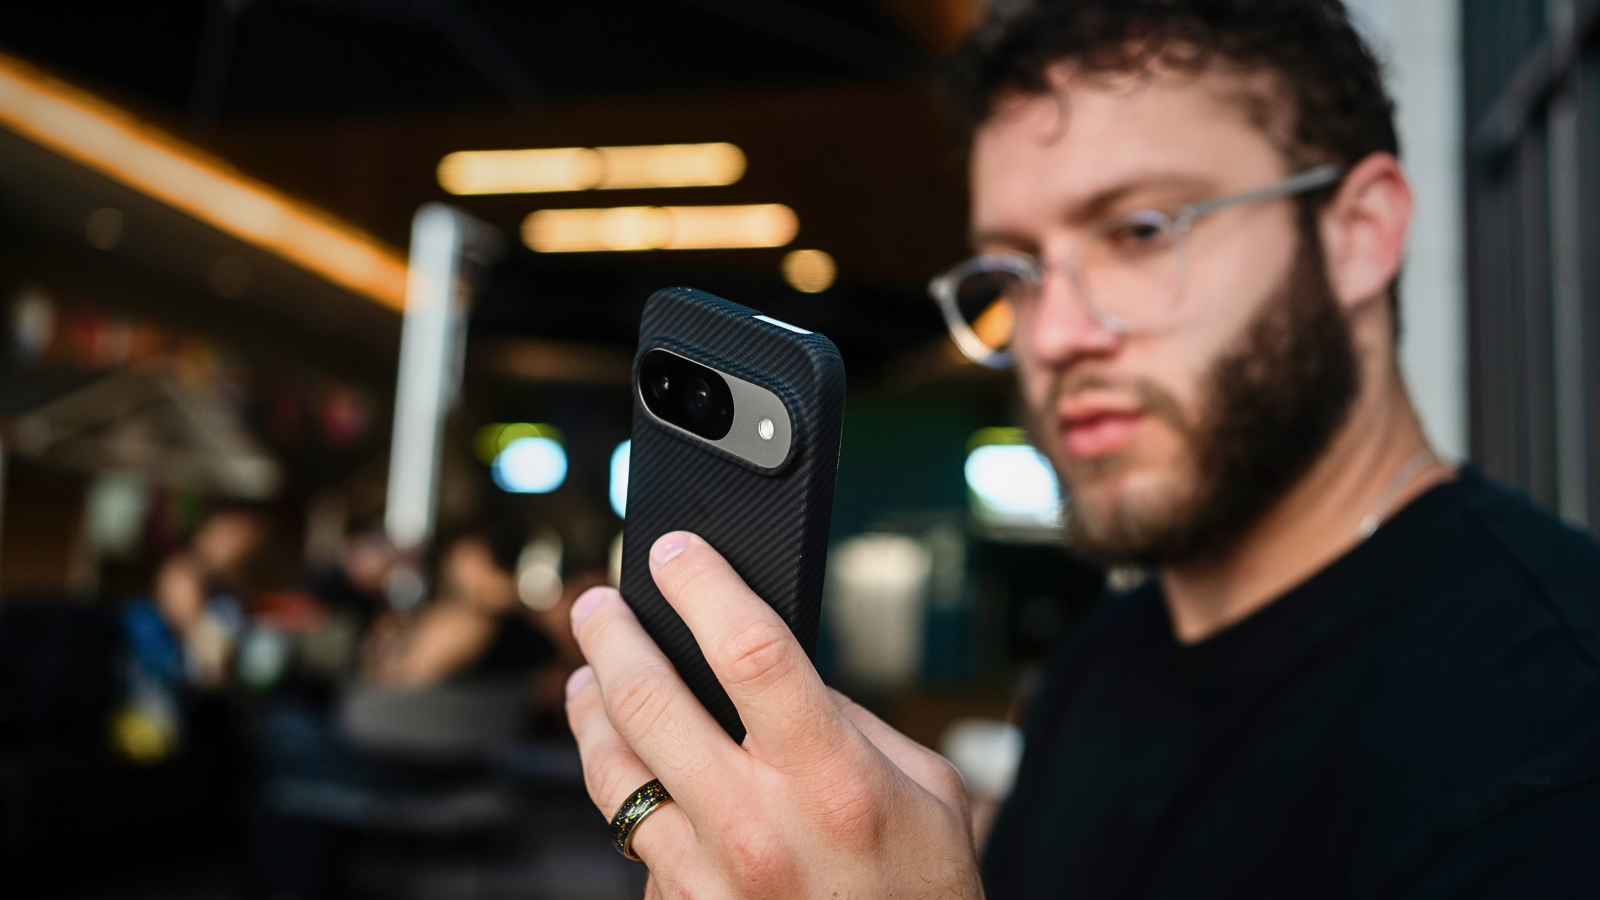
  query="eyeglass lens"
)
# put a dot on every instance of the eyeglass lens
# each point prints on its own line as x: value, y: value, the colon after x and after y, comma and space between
x: 1128, y: 274
x: 987, y: 301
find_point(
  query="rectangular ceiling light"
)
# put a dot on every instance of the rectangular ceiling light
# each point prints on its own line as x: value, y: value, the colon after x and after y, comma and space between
x: 108, y: 140
x: 586, y: 168
x: 660, y: 228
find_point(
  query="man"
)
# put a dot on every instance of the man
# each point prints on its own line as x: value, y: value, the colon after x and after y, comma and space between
x: 1357, y: 672
x: 198, y: 590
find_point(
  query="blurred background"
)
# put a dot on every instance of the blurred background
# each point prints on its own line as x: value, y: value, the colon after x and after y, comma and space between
x: 314, y: 410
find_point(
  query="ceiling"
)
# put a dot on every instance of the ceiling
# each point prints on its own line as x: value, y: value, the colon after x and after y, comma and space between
x: 350, y: 104
x: 250, y: 60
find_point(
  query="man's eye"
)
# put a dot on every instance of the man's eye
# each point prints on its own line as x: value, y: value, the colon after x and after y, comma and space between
x: 1139, y: 237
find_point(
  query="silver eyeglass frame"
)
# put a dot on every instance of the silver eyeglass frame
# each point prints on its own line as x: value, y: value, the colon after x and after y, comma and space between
x: 1031, y: 271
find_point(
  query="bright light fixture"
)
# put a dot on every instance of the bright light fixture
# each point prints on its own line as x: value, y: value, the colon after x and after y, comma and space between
x: 619, y: 477
x: 496, y: 436
x: 108, y: 140
x: 660, y: 228
x: 586, y: 168
x: 1012, y: 485
x: 520, y: 171
x: 809, y: 271
x: 530, y: 465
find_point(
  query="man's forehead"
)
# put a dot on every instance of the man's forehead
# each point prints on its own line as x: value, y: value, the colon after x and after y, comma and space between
x: 1097, y: 135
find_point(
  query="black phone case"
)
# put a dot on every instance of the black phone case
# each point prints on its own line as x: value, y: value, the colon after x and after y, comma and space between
x: 771, y: 526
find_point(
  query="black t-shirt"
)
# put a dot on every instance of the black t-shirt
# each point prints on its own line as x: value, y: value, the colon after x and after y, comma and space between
x: 517, y: 648
x: 1420, y: 719
x: 333, y: 587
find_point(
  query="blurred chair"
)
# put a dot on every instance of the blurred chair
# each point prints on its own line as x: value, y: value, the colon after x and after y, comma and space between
x: 474, y: 722
x: 449, y: 722
x: 435, y: 783
x: 412, y: 761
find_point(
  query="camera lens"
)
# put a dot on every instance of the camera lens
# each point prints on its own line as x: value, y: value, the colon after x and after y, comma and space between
x: 686, y: 394
x: 697, y: 399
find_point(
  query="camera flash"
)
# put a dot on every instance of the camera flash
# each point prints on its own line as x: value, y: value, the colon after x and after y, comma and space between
x: 764, y: 428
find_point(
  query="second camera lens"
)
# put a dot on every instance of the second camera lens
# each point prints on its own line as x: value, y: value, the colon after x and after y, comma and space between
x: 698, y: 398
x: 661, y: 386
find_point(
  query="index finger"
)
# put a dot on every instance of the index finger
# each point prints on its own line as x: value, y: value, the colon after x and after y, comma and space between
x: 787, y: 712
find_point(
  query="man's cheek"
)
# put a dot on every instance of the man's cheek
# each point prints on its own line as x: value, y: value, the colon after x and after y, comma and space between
x: 1163, y: 443
x: 1158, y: 458
x: 1038, y: 399
x: 1034, y: 384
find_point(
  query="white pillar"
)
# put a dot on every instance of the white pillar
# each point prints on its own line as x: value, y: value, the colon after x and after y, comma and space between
x: 1420, y: 44
x: 431, y: 339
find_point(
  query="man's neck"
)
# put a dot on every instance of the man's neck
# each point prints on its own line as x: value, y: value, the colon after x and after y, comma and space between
x: 1315, y: 523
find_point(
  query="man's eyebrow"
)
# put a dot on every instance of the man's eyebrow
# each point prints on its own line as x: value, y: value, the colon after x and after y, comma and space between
x: 988, y: 239
x: 1099, y: 203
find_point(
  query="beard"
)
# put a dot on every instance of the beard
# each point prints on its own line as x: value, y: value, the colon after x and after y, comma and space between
x: 1268, y: 409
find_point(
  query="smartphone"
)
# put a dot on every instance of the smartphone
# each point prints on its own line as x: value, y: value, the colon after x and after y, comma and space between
x: 737, y: 419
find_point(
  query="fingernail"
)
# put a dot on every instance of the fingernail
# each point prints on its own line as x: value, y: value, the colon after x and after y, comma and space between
x: 585, y: 604
x: 578, y: 679
x: 667, y: 546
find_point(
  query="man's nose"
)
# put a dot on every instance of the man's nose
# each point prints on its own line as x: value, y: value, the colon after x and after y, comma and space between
x: 1063, y: 324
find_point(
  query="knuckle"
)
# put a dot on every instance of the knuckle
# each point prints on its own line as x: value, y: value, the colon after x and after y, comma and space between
x: 754, y: 854
x: 757, y: 653
x: 945, y: 779
x: 854, y: 810
x: 639, y: 698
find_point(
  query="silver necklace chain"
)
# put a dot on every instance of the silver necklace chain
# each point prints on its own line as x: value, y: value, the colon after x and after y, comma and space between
x: 1408, y: 473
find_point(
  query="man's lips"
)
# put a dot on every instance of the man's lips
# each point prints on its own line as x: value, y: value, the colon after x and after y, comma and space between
x: 1089, y: 430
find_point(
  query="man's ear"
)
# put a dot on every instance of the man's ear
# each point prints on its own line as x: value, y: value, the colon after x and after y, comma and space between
x: 1364, y: 230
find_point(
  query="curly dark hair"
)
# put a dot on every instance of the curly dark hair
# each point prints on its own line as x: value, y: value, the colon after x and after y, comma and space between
x: 1337, y: 109
x: 1326, y: 101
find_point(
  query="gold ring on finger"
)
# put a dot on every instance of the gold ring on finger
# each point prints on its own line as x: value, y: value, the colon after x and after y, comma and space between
x: 639, y: 805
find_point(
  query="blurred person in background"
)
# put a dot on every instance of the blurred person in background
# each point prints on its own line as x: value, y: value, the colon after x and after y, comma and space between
x: 199, y: 590
x: 306, y: 642
x: 353, y: 586
x: 475, y: 626
x: 183, y: 635
x: 1357, y: 670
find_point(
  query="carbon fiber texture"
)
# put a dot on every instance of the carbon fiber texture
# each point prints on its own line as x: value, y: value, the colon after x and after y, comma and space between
x: 771, y: 526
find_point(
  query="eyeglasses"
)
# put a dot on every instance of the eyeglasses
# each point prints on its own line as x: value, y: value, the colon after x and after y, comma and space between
x: 1128, y: 272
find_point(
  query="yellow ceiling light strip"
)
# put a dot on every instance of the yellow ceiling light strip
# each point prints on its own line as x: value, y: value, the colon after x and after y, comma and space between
x: 586, y: 168
x: 108, y: 140
x: 660, y: 228
x: 520, y: 171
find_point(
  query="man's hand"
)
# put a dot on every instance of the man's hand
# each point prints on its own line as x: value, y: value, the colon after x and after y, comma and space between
x: 822, y: 800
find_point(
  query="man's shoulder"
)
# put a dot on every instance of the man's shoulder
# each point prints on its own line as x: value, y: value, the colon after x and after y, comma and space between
x: 1499, y: 605
x: 1556, y: 565
x: 1481, y: 693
